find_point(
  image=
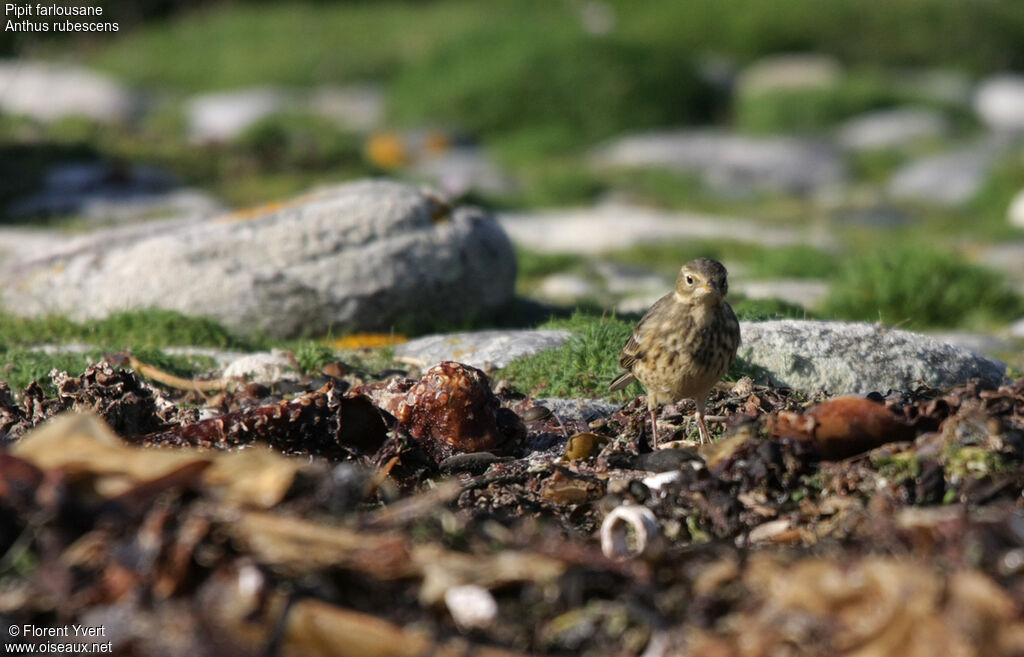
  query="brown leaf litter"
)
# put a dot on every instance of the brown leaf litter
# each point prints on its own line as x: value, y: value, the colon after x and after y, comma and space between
x: 423, y: 516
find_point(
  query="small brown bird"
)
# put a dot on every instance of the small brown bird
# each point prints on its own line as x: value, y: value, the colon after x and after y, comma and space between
x: 685, y: 343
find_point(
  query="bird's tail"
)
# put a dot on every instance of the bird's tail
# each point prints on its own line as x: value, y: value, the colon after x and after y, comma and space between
x: 621, y: 381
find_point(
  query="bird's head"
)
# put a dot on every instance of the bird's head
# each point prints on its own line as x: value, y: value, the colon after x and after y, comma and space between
x: 702, y: 281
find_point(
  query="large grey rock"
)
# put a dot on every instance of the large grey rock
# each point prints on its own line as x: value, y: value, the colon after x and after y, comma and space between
x: 948, y: 179
x: 731, y: 163
x: 890, y: 128
x: 856, y: 358
x: 361, y: 256
x: 480, y: 348
x: 47, y: 92
x: 999, y: 102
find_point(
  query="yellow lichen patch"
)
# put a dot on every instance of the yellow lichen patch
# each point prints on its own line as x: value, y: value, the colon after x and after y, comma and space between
x: 367, y: 341
x: 255, y: 211
x: 386, y: 150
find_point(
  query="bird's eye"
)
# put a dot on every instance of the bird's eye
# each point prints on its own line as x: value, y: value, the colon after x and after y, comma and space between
x: 689, y: 279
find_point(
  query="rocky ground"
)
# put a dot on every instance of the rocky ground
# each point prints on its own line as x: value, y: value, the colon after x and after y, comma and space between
x: 401, y: 513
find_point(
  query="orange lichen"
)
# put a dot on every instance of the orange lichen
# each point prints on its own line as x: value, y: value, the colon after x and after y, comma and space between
x: 366, y: 341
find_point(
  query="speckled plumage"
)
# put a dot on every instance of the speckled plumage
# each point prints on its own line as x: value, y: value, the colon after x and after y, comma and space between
x: 685, y: 343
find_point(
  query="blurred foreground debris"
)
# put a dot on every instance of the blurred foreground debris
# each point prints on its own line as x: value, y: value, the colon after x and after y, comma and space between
x: 316, y: 524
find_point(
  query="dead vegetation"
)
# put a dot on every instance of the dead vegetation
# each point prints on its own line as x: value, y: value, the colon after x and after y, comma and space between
x: 467, y: 521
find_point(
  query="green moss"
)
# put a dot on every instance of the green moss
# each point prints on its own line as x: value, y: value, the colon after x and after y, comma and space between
x: 920, y: 286
x: 973, y: 461
x: 897, y: 467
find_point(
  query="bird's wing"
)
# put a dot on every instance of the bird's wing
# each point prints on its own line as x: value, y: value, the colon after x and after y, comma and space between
x: 633, y: 350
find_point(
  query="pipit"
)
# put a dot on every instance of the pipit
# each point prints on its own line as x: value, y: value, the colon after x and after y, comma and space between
x: 685, y: 342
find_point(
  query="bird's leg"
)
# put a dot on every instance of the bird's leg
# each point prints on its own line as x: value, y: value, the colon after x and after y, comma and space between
x: 654, y: 425
x: 704, y: 434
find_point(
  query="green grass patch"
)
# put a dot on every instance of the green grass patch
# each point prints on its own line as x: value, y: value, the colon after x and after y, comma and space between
x: 581, y: 367
x: 312, y: 356
x: 22, y: 366
x: 130, y: 329
x: 811, y: 108
x: 920, y: 287
x: 587, y: 362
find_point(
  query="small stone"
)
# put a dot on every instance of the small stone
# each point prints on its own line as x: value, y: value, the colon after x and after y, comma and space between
x: 264, y: 367
x: 616, y: 225
x: 891, y: 128
x: 102, y: 191
x: 730, y: 163
x: 222, y: 116
x: 471, y: 606
x: 359, y: 107
x: 999, y: 102
x: 480, y: 348
x: 1017, y: 329
x: 1015, y: 213
x: 458, y: 171
x: 565, y: 288
x: 801, y: 292
x: 948, y: 179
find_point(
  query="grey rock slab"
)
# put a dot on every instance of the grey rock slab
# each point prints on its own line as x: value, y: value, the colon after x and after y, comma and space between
x: 999, y: 102
x: 481, y: 349
x: 857, y: 358
x: 891, y: 128
x: 612, y: 226
x: 731, y: 163
x: 947, y: 179
x: 365, y: 255
x: 47, y: 92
